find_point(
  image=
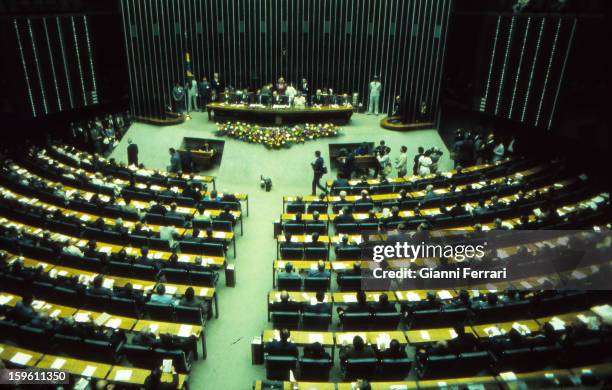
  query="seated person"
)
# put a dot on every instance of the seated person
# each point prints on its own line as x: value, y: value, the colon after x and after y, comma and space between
x: 289, y: 272
x: 316, y: 219
x: 395, y: 215
x: 285, y: 304
x: 361, y: 306
x: 282, y: 347
x: 383, y: 305
x: 156, y: 208
x: 97, y: 288
x: 146, y: 338
x: 226, y: 215
x: 128, y: 292
x: 315, y: 243
x: 464, y: 342
x: 190, y: 300
x: 161, y: 298
x: 173, y: 213
x: 322, y: 199
x: 289, y: 243
x: 343, y: 244
x: 345, y: 216
x: 320, y: 272
x: 23, y: 313
x: 315, y: 351
x: 371, y: 218
x: 359, y: 350
x: 201, y: 215
x: 154, y: 380
x: 394, y: 351
x: 320, y: 307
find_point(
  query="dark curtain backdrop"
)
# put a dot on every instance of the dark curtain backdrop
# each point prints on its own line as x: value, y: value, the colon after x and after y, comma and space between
x: 338, y: 44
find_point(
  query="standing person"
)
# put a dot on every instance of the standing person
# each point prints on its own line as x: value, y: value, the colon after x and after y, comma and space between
x: 192, y: 95
x: 215, y: 86
x: 204, y: 94
x: 291, y: 92
x: 132, y: 152
x: 401, y: 163
x: 281, y: 86
x: 498, y: 152
x: 175, y: 161
x: 178, y: 97
x: 384, y: 161
x: 415, y: 167
x: 425, y: 163
x: 305, y: 90
x: 318, y: 170
x: 374, y: 89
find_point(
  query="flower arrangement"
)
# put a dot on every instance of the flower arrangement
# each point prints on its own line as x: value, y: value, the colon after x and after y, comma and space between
x: 276, y: 137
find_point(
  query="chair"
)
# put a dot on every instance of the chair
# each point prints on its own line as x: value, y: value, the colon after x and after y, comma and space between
x: 278, y: 367
x: 97, y: 302
x: 139, y: 356
x: 423, y: 319
x: 290, y: 253
x: 356, y: 321
x: 363, y: 207
x: 188, y: 315
x: 320, y: 228
x: 223, y: 226
x: 360, y: 368
x: 159, y: 244
x: 347, y: 228
x: 212, y: 249
x: 285, y: 319
x: 117, y: 268
x: 351, y: 253
x: 316, y: 253
x: 34, y: 338
x: 203, y: 278
x: 472, y: 364
x: 312, y: 283
x: 316, y: 370
x: 102, y: 350
x: 321, y: 208
x: 175, y: 275
x: 159, y: 312
x: 293, y: 228
x: 181, y: 361
x: 123, y: 307
x: 394, y: 369
x: 436, y: 367
x: 293, y: 208
x: 288, y: 283
x: 386, y: 321
x: 517, y: 360
x: 349, y: 282
x: 66, y: 297
x: 316, y: 321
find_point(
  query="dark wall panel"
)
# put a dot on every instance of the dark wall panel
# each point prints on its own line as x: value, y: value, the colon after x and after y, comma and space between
x: 337, y: 44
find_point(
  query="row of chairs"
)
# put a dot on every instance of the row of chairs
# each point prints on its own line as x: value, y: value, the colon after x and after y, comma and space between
x: 321, y: 321
x: 312, y: 283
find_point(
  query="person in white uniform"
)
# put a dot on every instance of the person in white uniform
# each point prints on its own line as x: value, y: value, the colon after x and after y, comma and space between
x: 374, y: 89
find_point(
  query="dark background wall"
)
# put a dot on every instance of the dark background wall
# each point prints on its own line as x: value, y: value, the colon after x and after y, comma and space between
x: 338, y: 44
x: 60, y: 62
x: 534, y: 73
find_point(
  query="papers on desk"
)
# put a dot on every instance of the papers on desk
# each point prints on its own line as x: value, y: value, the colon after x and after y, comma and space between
x: 4, y: 299
x: 81, y: 317
x: 557, y: 323
x: 314, y: 266
x: 85, y: 218
x: 604, y: 311
x: 157, y: 255
x: 102, y: 319
x: 58, y: 363
x: 382, y: 341
x: 108, y: 283
x: 348, y: 298
x: 183, y: 259
x: 398, y: 387
x: 502, y: 254
x: 185, y: 331
x: 453, y: 334
x: 526, y: 284
x: 493, y: 331
x: 37, y: 305
x: 21, y: 358
x: 491, y: 287
x: 153, y: 328
x: 444, y: 294
x: 123, y: 375
x: 508, y: 376
x: 137, y: 286
x: 308, y: 238
x: 412, y: 296
x: 170, y: 290
x: 55, y: 313
x: 167, y: 365
x: 113, y: 323
x: 425, y: 335
x: 347, y: 338
x: 315, y: 338
x: 105, y: 249
x: 522, y: 329
x: 339, y: 266
x: 203, y: 292
x: 219, y: 234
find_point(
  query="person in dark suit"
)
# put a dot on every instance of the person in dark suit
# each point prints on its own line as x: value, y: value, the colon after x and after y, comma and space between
x: 359, y: 350
x: 226, y: 215
x: 318, y: 169
x: 97, y: 288
x: 315, y: 351
x: 361, y: 306
x: 132, y: 152
x: 320, y: 307
x: 157, y: 208
x: 315, y: 243
x: 289, y: 272
x: 285, y: 304
x: 146, y: 338
x: 288, y: 243
x: 383, y: 305
x: 345, y: 216
x: 282, y: 347
x: 23, y: 312
x: 175, y: 214
x: 320, y: 272
x: 395, y: 351
x: 464, y: 342
x: 128, y: 292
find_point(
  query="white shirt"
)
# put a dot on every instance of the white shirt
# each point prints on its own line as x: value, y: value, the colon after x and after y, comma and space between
x: 401, y: 161
x: 375, y: 87
x: 424, y: 164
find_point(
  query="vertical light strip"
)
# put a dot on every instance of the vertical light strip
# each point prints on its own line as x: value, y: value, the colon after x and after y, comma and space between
x: 40, y: 80
x: 502, y: 80
x: 90, y: 53
x: 25, y: 69
x: 129, y: 61
x: 445, y: 22
x: 488, y: 86
x: 78, y: 59
x: 533, y: 67
x: 57, y: 94
x: 547, y: 77
x: 567, y: 54
x: 520, y: 65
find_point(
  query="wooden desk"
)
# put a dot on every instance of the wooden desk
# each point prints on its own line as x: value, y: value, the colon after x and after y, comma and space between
x: 75, y: 366
x: 300, y: 337
x: 536, y: 380
x: 344, y: 298
x: 174, y: 329
x: 248, y: 113
x: 296, y: 296
x: 303, y: 385
x: 15, y: 356
x: 487, y: 383
x: 53, y: 310
x: 114, y: 322
x: 208, y: 293
x: 137, y: 376
x: 505, y: 327
x: 420, y: 295
x: 433, y: 335
x: 371, y: 337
